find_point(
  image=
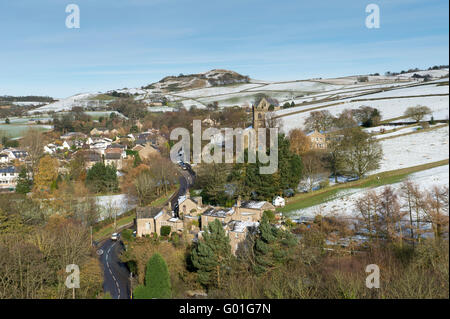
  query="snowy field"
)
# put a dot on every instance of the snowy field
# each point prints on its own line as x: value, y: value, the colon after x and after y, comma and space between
x: 389, y: 108
x: 299, y: 86
x: 414, y: 149
x: 401, y: 131
x: 343, y: 203
x: 211, y: 91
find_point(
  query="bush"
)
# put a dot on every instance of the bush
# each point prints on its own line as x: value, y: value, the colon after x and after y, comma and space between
x: 270, y: 215
x: 157, y: 280
x: 165, y: 231
x: 127, y: 235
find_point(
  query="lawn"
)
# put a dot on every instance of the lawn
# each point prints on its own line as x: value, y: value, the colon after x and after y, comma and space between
x: 317, y: 197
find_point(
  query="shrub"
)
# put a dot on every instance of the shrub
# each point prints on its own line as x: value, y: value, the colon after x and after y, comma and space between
x: 165, y: 231
x: 157, y: 280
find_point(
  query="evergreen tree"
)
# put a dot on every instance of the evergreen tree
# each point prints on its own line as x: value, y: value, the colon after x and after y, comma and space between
x: 212, y: 255
x: 157, y: 280
x: 102, y: 178
x: 272, y: 246
x: 23, y: 183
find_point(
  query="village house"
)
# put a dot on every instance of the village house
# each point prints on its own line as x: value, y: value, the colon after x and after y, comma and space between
x: 146, y: 151
x: 238, y: 221
x: 278, y: 201
x: 251, y: 210
x: 318, y: 140
x: 149, y: 220
x: 100, y: 144
x: 224, y: 215
x: 4, y: 158
x: 114, y: 159
x: 238, y: 231
x: 91, y: 158
x: 8, y: 178
x: 99, y: 131
x: 15, y: 154
x: 209, y: 122
x: 190, y: 206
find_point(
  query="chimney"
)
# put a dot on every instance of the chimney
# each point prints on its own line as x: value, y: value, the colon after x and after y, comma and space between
x: 238, y: 202
x: 170, y: 205
x: 187, y: 194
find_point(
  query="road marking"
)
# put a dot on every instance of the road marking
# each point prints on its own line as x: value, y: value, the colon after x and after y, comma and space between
x: 114, y: 278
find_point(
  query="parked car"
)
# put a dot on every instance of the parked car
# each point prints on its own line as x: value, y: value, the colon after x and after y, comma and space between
x: 115, y: 236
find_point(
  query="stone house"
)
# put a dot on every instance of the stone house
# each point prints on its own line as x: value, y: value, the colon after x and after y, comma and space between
x: 251, y: 211
x: 318, y: 140
x: 149, y: 220
x: 146, y: 151
x: 99, y: 131
x: 114, y: 159
x: 238, y: 231
x: 224, y: 215
x: 190, y: 206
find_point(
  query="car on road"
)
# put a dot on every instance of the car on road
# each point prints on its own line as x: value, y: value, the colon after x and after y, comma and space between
x: 115, y: 236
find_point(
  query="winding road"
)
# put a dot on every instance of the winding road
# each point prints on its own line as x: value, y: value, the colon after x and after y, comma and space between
x: 116, y: 276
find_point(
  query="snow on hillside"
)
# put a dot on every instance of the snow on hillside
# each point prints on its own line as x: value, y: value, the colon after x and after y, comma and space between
x: 67, y: 103
x: 301, y: 86
x: 400, y: 131
x: 414, y: 149
x: 344, y: 202
x: 212, y: 91
x: 412, y: 91
x: 433, y: 73
x: 389, y: 108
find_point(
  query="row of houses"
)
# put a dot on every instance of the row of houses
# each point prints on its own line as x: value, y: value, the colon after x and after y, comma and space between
x: 238, y: 221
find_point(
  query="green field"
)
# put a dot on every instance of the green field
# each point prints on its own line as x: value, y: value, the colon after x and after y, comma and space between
x: 18, y: 130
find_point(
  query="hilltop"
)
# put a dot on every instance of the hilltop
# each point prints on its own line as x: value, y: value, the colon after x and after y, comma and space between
x: 226, y: 88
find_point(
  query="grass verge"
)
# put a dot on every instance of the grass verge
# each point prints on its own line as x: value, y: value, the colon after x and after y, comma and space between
x: 326, y: 194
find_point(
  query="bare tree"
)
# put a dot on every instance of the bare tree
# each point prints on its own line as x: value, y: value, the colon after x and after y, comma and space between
x: 145, y: 186
x: 412, y: 197
x: 319, y: 121
x: 417, y: 113
x: 390, y: 214
x: 299, y: 142
x: 369, y: 206
x: 313, y: 170
x: 33, y: 141
x: 435, y: 206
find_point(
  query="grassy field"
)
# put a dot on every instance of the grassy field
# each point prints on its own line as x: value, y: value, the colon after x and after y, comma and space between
x: 17, y: 130
x: 314, y: 198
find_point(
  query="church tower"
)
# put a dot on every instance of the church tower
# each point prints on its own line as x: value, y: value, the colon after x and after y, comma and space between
x: 260, y: 109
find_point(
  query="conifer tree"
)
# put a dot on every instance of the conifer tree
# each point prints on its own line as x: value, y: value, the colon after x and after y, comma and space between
x: 157, y: 280
x: 212, y: 256
x: 272, y: 246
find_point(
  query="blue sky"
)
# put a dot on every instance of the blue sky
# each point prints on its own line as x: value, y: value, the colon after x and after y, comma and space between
x: 135, y: 42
